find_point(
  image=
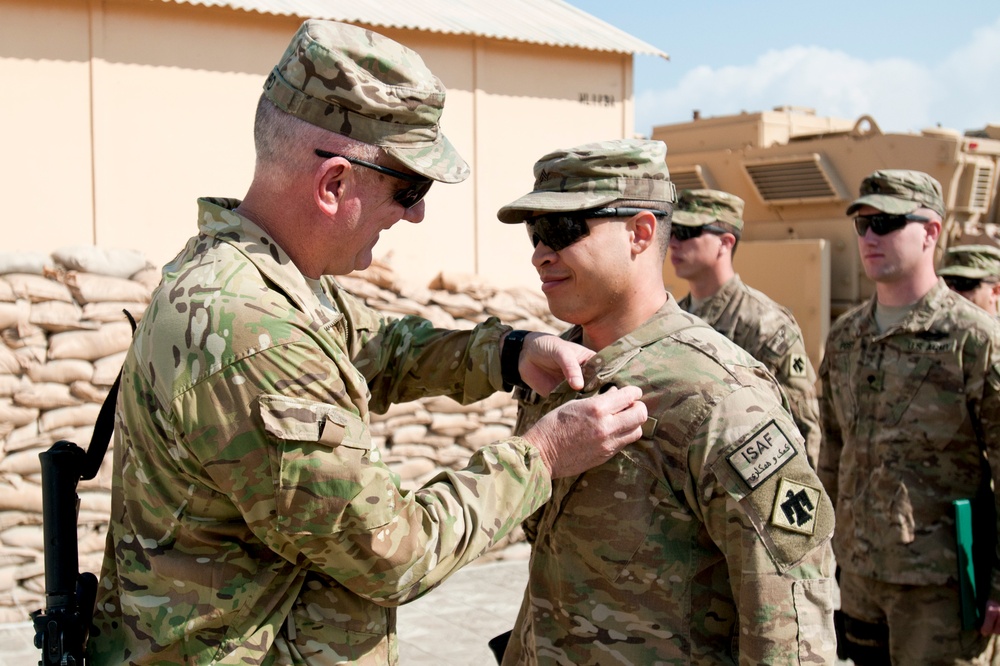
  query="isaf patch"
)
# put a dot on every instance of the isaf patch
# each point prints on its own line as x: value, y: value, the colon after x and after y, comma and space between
x: 763, y: 454
x: 797, y: 365
x: 795, y: 507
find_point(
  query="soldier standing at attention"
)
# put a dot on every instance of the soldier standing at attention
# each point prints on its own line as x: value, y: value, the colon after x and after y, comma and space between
x: 704, y: 233
x: 253, y: 520
x: 974, y: 272
x: 910, y: 409
x: 708, y: 540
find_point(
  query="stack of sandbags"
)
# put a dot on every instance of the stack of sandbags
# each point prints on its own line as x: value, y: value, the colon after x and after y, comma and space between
x: 63, y: 338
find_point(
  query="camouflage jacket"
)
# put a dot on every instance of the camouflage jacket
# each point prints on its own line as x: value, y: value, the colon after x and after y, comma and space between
x: 770, y: 333
x: 705, y: 542
x: 253, y: 521
x: 905, y: 416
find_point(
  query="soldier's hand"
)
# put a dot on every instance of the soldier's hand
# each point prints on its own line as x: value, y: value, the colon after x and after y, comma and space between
x: 546, y: 360
x: 991, y: 619
x: 584, y: 433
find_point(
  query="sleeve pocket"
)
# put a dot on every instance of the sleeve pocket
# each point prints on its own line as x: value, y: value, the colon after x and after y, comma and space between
x: 328, y: 475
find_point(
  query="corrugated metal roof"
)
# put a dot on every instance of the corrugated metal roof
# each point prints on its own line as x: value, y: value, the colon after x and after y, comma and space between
x: 549, y: 22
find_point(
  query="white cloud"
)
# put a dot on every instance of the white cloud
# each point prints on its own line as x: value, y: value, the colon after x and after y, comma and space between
x: 962, y: 92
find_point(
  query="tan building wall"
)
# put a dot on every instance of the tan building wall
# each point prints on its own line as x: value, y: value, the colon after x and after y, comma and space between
x: 118, y: 114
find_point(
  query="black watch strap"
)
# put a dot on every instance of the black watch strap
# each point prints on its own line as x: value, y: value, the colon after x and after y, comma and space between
x: 509, y: 357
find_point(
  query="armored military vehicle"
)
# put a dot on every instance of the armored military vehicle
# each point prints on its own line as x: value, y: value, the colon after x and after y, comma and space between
x: 797, y: 173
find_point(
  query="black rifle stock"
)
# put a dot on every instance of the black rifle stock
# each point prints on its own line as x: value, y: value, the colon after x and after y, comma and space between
x: 62, y: 627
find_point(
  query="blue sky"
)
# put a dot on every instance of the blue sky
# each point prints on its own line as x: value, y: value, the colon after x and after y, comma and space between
x: 909, y: 65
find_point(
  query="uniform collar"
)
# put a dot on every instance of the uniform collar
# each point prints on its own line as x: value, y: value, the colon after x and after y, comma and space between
x: 217, y: 219
x: 924, y: 314
x: 668, y: 319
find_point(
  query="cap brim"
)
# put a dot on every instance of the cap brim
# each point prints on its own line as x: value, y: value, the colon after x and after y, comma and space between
x: 553, y: 202
x: 885, y: 203
x: 965, y: 271
x: 439, y: 161
x: 686, y: 219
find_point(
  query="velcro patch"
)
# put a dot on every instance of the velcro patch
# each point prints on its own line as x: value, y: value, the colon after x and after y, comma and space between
x: 795, y: 506
x: 763, y: 454
x: 797, y: 365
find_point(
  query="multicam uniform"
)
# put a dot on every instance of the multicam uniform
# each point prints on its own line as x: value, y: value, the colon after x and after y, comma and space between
x: 253, y: 521
x: 770, y: 333
x: 705, y: 542
x: 906, y: 413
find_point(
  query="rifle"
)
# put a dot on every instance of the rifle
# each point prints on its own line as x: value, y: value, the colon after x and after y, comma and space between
x: 63, y: 626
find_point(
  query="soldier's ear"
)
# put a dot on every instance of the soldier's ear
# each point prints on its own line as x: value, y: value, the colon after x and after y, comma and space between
x: 643, y: 227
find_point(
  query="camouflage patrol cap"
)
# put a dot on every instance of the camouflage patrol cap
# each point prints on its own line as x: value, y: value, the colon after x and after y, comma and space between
x: 595, y: 174
x: 696, y: 208
x: 365, y: 86
x: 899, y: 192
x: 972, y: 261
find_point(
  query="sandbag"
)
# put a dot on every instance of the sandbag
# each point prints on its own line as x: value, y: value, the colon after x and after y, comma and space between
x: 68, y: 417
x: 103, y: 261
x: 9, y: 363
x: 16, y: 415
x: 108, y: 311
x: 38, y: 288
x: 11, y: 384
x: 91, y: 345
x: 46, y: 395
x: 88, y: 392
x: 91, y: 288
x: 34, y: 263
x: 24, y: 335
x: 14, y: 313
x: 62, y: 371
x: 57, y: 316
x: 106, y: 369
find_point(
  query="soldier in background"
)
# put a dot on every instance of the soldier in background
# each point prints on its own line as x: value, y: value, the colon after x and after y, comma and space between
x: 254, y: 521
x: 910, y: 406
x: 706, y: 542
x: 705, y: 231
x: 974, y: 272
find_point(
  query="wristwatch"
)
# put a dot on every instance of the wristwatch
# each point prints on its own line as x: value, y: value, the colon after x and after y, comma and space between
x: 509, y: 357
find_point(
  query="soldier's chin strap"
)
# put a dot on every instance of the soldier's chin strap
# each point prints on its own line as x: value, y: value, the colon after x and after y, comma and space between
x: 63, y: 626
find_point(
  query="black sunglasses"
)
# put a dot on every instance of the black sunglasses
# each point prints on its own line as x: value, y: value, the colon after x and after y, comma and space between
x: 560, y: 230
x: 884, y: 223
x: 683, y: 233
x: 408, y: 196
x: 962, y: 283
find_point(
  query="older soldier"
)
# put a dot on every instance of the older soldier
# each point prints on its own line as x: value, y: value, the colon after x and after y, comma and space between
x: 705, y: 230
x: 706, y: 542
x: 974, y: 272
x: 910, y: 406
x: 253, y: 520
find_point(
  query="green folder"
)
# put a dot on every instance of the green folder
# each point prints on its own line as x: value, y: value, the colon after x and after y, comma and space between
x: 964, y: 540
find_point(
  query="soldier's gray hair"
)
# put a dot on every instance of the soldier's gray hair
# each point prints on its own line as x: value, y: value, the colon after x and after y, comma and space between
x: 285, y: 144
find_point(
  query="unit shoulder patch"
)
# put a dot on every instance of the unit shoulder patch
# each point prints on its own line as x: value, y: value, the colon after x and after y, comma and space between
x: 795, y: 506
x: 797, y: 365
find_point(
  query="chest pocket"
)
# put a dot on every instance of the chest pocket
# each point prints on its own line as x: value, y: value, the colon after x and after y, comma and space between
x: 327, y: 473
x: 605, y: 516
x: 920, y: 384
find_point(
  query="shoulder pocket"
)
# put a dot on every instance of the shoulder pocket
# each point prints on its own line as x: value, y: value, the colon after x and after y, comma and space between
x: 328, y: 474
